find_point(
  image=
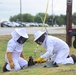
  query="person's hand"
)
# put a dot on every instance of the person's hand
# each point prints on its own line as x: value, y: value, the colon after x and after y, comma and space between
x: 41, y: 60
x: 11, y: 65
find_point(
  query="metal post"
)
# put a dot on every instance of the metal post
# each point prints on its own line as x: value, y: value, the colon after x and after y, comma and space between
x: 69, y: 22
x: 52, y: 12
x: 21, y: 11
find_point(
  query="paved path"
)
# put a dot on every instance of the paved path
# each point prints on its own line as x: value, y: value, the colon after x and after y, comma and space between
x: 32, y: 30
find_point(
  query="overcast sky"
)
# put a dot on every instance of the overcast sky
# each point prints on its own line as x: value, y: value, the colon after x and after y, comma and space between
x: 12, y: 7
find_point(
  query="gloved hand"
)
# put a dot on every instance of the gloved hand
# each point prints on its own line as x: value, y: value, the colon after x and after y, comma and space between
x: 41, y: 60
x: 9, y: 57
x: 11, y: 65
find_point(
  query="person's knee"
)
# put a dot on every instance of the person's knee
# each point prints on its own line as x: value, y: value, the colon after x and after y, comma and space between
x: 17, y: 67
x: 25, y: 64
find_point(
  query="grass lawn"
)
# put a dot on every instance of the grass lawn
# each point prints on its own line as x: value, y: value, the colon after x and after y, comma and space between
x: 29, y: 48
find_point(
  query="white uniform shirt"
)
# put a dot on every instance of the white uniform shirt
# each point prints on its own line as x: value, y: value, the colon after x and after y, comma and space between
x: 53, y: 45
x: 15, y: 48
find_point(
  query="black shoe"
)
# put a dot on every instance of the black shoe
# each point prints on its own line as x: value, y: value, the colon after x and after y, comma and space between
x: 55, y: 65
x: 4, y: 68
x: 68, y: 56
x: 74, y: 58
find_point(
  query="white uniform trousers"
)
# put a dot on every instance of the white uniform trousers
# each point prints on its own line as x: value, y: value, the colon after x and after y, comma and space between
x: 61, y: 57
x: 20, y: 62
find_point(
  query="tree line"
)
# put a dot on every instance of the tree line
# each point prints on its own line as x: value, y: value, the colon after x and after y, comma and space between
x: 50, y: 19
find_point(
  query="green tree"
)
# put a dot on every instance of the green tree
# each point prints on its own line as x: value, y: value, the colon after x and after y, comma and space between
x: 74, y: 18
x: 25, y: 18
x: 28, y: 18
x: 15, y: 18
x: 61, y: 20
x: 49, y: 20
x: 40, y: 17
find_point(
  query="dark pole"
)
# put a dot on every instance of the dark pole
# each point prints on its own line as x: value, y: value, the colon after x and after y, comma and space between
x: 69, y: 22
x: 21, y: 11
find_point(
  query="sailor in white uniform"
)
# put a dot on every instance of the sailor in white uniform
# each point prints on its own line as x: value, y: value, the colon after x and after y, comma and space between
x: 56, y: 48
x: 14, y: 54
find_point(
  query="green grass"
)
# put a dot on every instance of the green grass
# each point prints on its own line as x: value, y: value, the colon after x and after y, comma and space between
x: 29, y: 48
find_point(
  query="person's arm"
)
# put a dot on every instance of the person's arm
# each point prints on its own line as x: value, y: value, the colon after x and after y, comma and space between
x: 49, y: 49
x: 22, y: 55
x: 9, y: 57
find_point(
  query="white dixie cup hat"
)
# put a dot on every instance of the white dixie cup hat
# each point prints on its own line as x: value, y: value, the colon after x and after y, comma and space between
x: 22, y: 32
x: 38, y: 34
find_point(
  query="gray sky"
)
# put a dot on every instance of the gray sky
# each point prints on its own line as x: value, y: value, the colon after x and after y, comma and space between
x: 12, y: 7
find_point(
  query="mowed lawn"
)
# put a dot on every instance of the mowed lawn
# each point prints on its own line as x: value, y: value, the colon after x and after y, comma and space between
x: 29, y: 48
